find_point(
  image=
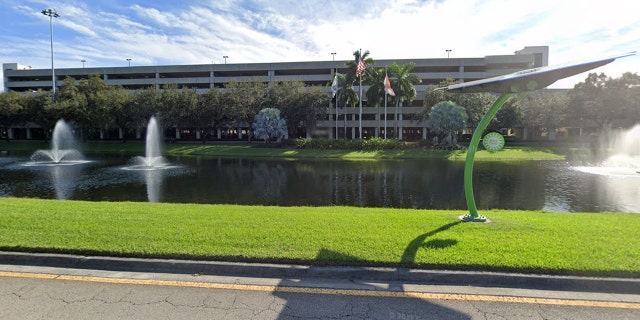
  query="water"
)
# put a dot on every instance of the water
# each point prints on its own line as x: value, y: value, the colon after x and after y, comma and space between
x: 621, y: 151
x: 63, y: 148
x: 153, y: 159
x: 420, y: 184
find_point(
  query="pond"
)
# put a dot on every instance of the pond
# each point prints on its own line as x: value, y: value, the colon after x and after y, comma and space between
x: 420, y: 184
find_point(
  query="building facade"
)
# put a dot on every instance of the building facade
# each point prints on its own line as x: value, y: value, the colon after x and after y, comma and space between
x: 343, y: 122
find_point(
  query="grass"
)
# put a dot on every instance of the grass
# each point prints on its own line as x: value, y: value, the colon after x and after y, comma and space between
x: 243, y: 150
x: 603, y: 244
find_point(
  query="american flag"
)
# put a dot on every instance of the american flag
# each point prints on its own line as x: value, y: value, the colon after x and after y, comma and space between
x: 360, y: 67
x: 387, y: 86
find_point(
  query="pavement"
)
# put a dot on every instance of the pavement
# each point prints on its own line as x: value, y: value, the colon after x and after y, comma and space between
x: 441, y: 278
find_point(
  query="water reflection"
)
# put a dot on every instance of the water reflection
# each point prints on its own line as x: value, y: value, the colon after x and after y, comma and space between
x: 64, y: 179
x: 437, y: 184
x: 153, y: 180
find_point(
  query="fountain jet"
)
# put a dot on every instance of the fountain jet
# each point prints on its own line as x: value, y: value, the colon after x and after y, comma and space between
x: 62, y: 150
x: 153, y: 159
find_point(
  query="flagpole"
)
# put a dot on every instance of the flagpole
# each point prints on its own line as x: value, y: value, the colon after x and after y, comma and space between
x: 335, y: 74
x: 360, y: 98
x: 385, y: 105
x: 337, y: 114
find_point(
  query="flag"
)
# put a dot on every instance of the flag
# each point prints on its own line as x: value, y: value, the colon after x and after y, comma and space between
x: 387, y: 86
x: 360, y: 67
x: 334, y: 86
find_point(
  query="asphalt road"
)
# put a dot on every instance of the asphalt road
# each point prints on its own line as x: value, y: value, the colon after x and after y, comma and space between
x: 72, y: 287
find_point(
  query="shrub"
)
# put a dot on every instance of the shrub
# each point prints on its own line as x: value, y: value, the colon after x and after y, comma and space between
x: 355, y: 144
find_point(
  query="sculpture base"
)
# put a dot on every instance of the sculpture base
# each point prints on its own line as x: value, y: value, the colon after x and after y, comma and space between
x: 469, y: 218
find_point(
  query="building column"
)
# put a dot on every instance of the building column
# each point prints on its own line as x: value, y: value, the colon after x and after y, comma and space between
x: 219, y: 133
x: 400, y: 125
x: 377, y: 121
x: 28, y: 133
x: 177, y: 133
x: 120, y: 133
x: 271, y: 74
x: 353, y: 127
x: 157, y: 85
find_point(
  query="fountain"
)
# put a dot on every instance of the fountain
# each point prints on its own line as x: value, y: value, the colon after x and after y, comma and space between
x: 623, y: 154
x: 153, y: 159
x: 62, y: 152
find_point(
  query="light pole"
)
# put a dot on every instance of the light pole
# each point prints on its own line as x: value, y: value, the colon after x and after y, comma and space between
x: 333, y: 55
x: 129, y: 61
x: 448, y: 52
x: 83, y: 61
x: 225, y: 59
x: 508, y: 85
x: 52, y: 14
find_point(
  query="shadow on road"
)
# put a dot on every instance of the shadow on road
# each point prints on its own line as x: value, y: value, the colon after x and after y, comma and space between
x: 339, y: 304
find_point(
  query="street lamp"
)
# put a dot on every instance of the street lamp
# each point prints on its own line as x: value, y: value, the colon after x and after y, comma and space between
x: 52, y: 14
x: 129, y: 61
x: 508, y: 85
x: 225, y: 59
x: 448, y: 52
x: 333, y: 55
x: 83, y: 61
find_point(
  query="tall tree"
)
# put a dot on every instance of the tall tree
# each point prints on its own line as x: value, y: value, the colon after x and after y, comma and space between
x: 604, y: 100
x: 375, y: 81
x: 476, y: 104
x: 359, y: 70
x: 353, y: 64
x: 403, y: 84
x: 11, y: 111
x: 246, y: 99
x: 93, y: 112
x: 446, y: 120
x: 346, y: 96
x: 269, y: 125
x: 211, y: 113
x: 70, y: 102
x: 119, y: 103
x: 544, y: 110
x: 39, y: 109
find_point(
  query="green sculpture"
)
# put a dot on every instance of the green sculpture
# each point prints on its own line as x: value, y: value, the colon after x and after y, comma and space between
x: 507, y: 85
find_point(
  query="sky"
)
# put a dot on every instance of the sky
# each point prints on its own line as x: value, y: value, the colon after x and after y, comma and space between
x: 168, y: 32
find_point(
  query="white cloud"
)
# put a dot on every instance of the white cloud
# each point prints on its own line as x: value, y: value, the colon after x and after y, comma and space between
x: 169, y: 32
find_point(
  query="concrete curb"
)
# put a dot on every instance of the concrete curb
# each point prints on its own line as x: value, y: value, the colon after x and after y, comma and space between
x: 282, y: 271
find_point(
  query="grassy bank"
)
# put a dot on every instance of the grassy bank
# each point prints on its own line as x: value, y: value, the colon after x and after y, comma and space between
x: 259, y: 150
x: 560, y: 243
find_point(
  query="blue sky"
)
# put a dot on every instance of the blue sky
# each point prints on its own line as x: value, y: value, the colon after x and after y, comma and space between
x: 150, y: 32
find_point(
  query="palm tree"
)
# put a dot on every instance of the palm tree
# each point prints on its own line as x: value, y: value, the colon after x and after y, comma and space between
x: 402, y: 82
x: 351, y: 75
x: 346, y: 96
x: 351, y: 66
x: 375, y: 93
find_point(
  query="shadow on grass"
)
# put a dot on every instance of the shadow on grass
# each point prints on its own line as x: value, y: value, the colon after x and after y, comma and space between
x: 409, y: 255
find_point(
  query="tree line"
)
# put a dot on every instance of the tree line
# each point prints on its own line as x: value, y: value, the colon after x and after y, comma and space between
x: 93, y: 106
x: 600, y: 102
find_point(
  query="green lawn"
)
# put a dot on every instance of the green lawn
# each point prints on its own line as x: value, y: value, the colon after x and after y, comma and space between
x: 520, y: 241
x: 239, y: 150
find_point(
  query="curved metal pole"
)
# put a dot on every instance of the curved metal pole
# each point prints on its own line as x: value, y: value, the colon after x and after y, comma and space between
x: 471, y: 153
